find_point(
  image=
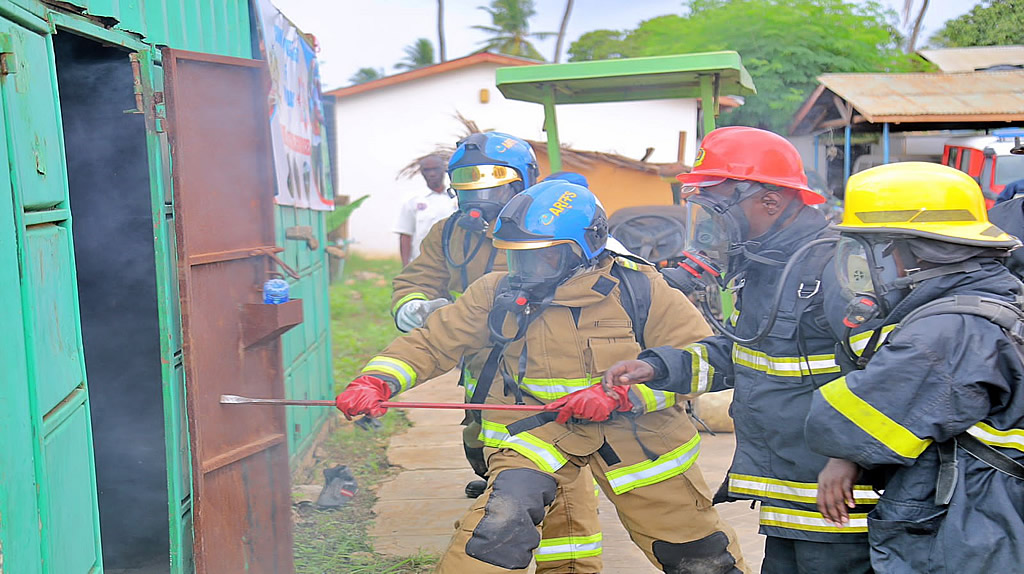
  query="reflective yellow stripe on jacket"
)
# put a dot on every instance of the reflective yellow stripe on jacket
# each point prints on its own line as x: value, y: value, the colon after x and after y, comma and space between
x: 469, y: 382
x: 670, y: 464
x: 784, y: 366
x: 654, y: 400
x: 397, y: 368
x: 543, y: 454
x: 806, y: 492
x: 988, y: 434
x: 702, y: 372
x: 810, y: 521
x: 859, y: 342
x: 551, y: 389
x: 873, y: 421
x: 568, y: 548
x: 406, y: 299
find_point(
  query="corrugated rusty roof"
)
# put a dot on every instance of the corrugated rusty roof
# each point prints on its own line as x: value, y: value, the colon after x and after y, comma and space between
x: 970, y: 59
x: 994, y: 96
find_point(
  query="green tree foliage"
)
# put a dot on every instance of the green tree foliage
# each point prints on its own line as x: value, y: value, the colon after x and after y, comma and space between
x: 364, y: 75
x: 417, y: 55
x: 990, y: 23
x: 785, y: 44
x: 510, y: 32
x: 597, y: 45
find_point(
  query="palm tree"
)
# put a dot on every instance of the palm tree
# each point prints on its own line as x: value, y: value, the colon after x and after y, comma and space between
x: 440, y: 30
x: 417, y: 55
x: 511, y: 29
x: 366, y: 75
x: 908, y: 6
x: 561, y: 31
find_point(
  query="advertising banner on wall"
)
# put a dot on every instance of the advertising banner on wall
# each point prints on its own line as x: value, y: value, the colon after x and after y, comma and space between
x: 296, y: 114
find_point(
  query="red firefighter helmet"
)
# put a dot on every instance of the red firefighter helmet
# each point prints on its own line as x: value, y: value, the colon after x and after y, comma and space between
x: 750, y: 154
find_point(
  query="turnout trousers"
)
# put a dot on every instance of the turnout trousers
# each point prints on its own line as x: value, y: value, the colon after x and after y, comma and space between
x: 572, y: 514
x: 668, y: 515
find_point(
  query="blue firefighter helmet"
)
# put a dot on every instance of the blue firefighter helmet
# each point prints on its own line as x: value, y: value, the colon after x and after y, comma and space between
x: 549, y: 231
x: 488, y: 169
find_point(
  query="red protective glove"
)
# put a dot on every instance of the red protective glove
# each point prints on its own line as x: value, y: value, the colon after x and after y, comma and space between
x: 363, y: 397
x: 592, y: 404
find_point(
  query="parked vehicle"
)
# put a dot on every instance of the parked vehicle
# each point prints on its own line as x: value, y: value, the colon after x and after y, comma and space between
x: 988, y: 159
x: 874, y: 160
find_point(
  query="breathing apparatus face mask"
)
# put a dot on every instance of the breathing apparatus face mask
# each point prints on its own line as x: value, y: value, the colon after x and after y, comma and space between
x: 539, y: 271
x: 482, y: 190
x: 870, y: 277
x: 716, y: 225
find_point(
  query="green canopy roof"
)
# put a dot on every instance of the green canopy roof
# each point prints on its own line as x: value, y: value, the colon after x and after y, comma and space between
x: 626, y: 79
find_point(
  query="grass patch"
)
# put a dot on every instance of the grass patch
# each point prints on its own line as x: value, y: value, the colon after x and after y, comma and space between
x: 361, y: 323
x: 338, y: 541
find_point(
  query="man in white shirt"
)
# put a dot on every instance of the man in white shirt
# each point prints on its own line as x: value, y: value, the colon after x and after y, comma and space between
x: 422, y: 210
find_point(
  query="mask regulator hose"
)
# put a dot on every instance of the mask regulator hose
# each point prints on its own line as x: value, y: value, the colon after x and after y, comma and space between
x: 776, y: 301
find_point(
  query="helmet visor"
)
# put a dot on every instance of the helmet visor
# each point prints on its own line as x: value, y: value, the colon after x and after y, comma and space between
x: 708, y: 231
x: 499, y: 195
x: 543, y: 265
x: 692, y: 187
x: 482, y: 176
x: 486, y: 203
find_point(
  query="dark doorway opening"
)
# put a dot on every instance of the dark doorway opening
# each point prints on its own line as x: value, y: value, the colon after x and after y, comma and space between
x: 112, y: 224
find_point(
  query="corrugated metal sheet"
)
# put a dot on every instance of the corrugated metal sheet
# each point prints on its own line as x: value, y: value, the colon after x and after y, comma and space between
x: 211, y: 26
x: 889, y: 97
x: 951, y: 60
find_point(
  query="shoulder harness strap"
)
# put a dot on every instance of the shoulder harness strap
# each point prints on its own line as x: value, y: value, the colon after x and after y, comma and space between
x: 635, y: 289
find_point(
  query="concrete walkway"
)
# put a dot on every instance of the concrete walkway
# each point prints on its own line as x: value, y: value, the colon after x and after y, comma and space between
x: 418, y: 508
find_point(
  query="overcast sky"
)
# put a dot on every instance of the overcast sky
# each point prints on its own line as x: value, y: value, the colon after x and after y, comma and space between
x: 373, y: 33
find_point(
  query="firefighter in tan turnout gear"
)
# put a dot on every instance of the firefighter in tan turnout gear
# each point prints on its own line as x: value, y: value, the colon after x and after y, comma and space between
x: 566, y: 310
x: 486, y: 171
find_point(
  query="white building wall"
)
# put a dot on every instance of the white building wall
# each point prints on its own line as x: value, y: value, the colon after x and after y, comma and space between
x: 380, y: 131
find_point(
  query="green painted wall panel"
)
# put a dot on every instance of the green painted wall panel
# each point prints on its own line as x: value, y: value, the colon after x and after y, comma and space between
x: 187, y: 561
x: 211, y: 26
x: 183, y: 456
x: 305, y: 349
x: 72, y: 534
x: 19, y: 512
x: 54, y: 332
x: 31, y: 115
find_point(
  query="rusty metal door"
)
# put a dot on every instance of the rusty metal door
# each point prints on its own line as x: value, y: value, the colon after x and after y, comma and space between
x: 223, y: 204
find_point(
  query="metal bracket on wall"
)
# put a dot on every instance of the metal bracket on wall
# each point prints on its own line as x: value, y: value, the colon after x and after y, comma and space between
x: 272, y: 252
x: 8, y: 59
x: 140, y: 108
x: 303, y: 233
x: 219, y: 256
x: 337, y: 252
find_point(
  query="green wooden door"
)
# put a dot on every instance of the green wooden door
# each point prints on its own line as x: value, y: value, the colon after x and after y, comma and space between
x: 49, y: 520
x: 179, y: 467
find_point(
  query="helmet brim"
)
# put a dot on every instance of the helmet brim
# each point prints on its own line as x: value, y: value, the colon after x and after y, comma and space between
x: 703, y: 179
x: 975, y: 233
x: 523, y: 245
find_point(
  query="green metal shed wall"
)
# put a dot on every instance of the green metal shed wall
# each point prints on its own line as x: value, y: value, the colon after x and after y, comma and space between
x: 224, y: 27
x: 48, y: 518
x: 306, y: 349
x: 211, y: 26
